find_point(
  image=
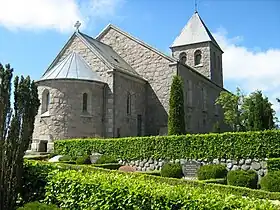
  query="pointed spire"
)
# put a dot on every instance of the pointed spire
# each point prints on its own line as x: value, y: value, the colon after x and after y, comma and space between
x: 194, y: 32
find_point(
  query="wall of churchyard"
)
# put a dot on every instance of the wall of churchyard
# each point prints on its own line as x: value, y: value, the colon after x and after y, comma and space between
x: 130, y: 103
x: 190, y: 166
x: 152, y: 66
x: 200, y: 94
x: 65, y: 117
x: 98, y: 66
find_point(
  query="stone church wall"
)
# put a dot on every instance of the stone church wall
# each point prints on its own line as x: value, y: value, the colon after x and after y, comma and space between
x: 126, y: 123
x: 65, y: 118
x: 152, y: 66
x: 98, y: 66
x: 198, y: 119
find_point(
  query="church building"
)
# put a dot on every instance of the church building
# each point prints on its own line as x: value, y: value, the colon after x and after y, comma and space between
x: 115, y: 85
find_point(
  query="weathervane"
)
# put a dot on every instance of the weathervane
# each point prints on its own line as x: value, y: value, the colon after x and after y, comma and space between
x: 195, y: 5
x: 77, y: 25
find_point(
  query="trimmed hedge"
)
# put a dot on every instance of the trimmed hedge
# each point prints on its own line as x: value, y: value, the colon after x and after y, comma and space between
x: 273, y: 164
x: 271, y: 181
x: 243, y: 178
x: 226, y: 145
x: 36, y: 173
x: 38, y: 206
x: 83, y: 160
x: 211, y: 172
x: 173, y: 170
x: 214, y: 181
x: 106, y: 159
x: 99, y: 190
x: 111, y: 166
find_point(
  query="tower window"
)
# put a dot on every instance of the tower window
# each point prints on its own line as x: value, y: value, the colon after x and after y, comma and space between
x: 85, y: 102
x: 45, y: 100
x: 183, y: 57
x: 197, y: 57
x: 128, y: 104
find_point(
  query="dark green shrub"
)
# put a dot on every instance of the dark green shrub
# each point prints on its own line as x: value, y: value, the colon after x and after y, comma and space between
x: 83, y: 160
x: 173, y: 170
x: 65, y: 158
x: 111, y: 166
x: 106, y: 159
x: 38, y: 206
x: 243, y: 178
x: 186, y: 146
x: 273, y: 164
x: 211, y: 172
x: 176, y: 117
x: 271, y: 181
x: 214, y: 181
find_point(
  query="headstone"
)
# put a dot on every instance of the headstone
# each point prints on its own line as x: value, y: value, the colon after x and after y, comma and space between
x: 94, y: 157
x: 55, y: 158
x: 190, y: 168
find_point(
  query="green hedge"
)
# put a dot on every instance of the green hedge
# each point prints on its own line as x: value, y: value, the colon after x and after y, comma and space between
x: 38, y: 206
x: 211, y: 172
x: 226, y: 145
x: 173, y: 170
x: 111, y: 166
x: 35, y: 179
x: 273, y: 164
x: 243, y: 178
x: 99, y: 190
x: 271, y: 181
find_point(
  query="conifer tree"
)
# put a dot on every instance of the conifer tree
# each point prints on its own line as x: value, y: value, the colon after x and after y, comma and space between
x: 176, y: 118
x: 16, y: 128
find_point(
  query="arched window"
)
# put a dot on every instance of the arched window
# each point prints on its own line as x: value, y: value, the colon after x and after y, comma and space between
x: 197, y: 57
x: 128, y: 104
x: 183, y: 57
x: 85, y: 102
x: 45, y: 100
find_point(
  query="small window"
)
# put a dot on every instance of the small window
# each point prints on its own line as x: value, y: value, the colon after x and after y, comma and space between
x: 183, y: 57
x: 197, y: 57
x: 128, y: 104
x: 45, y: 100
x: 85, y: 102
x: 214, y: 60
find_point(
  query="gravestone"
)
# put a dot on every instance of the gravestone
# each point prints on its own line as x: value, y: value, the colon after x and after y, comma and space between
x: 94, y: 157
x: 190, y: 168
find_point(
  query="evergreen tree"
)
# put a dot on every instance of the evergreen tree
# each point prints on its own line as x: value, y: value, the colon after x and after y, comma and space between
x: 176, y: 118
x: 16, y: 130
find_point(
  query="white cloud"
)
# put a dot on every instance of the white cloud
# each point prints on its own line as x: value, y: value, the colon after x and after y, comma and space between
x: 250, y: 69
x: 53, y: 14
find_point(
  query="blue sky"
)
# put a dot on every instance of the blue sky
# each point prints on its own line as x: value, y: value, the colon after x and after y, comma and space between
x: 33, y: 31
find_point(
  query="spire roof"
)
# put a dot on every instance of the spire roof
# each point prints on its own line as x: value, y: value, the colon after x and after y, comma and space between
x: 194, y: 32
x: 72, y: 66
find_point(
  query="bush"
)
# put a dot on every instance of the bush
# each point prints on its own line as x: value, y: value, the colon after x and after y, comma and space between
x: 111, y: 166
x: 173, y: 170
x: 65, y: 158
x: 38, y: 206
x: 36, y: 173
x: 214, y: 181
x: 273, y: 164
x: 83, y: 160
x: 106, y: 159
x: 79, y: 190
x: 186, y: 146
x: 243, y: 178
x: 211, y: 172
x: 271, y: 181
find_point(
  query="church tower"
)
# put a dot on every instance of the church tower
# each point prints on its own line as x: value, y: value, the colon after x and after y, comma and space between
x: 196, y: 47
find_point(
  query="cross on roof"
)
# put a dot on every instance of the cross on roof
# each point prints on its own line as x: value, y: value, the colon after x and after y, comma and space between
x: 195, y: 5
x: 77, y: 25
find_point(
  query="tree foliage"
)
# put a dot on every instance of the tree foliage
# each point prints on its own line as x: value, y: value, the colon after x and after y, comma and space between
x: 16, y: 128
x: 247, y: 113
x: 176, y: 118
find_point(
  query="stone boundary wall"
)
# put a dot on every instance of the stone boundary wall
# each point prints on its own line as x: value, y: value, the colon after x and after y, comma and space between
x: 190, y: 166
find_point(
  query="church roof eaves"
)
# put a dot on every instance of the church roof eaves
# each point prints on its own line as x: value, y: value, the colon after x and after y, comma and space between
x: 104, y: 31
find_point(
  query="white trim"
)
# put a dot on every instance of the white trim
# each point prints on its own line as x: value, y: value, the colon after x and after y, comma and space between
x: 107, y: 28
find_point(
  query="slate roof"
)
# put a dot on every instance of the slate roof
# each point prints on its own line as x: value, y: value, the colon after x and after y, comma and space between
x: 109, y: 54
x: 73, y: 66
x: 194, y: 32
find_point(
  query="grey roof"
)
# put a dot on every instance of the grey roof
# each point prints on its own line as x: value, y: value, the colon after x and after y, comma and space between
x: 72, y: 66
x: 109, y: 54
x: 194, y: 32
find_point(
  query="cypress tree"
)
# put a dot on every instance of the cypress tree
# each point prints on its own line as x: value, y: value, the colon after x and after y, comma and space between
x: 176, y: 118
x: 16, y: 130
